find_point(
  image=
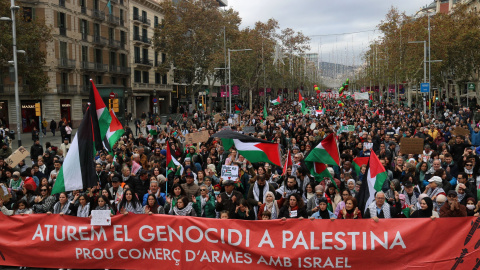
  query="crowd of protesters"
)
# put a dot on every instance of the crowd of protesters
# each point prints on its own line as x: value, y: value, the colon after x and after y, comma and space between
x: 443, y: 181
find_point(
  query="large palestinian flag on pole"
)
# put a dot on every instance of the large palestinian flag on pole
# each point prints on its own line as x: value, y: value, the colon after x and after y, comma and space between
x: 358, y: 162
x: 288, y: 162
x: 319, y: 170
x: 301, y: 102
x: 172, y: 162
x: 253, y: 149
x: 376, y: 176
x: 325, y: 152
x: 78, y: 169
x: 276, y: 101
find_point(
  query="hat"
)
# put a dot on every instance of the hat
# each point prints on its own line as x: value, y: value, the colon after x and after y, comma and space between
x: 295, y: 148
x: 163, y: 152
x: 408, y: 184
x: 115, y: 179
x: 191, y: 146
x: 435, y: 179
x: 65, y: 138
x: 190, y: 174
x: 188, y: 159
x: 16, y: 174
x: 228, y: 182
x: 452, y: 192
x: 142, y: 172
x: 322, y: 200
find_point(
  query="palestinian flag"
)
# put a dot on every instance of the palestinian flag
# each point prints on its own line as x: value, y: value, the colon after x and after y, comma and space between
x: 301, y: 102
x: 318, y: 170
x: 253, y: 149
x: 325, y: 152
x: 265, y: 114
x: 288, y: 162
x: 320, y: 112
x: 78, y: 169
x: 103, y: 118
x: 358, y: 162
x: 276, y: 101
x: 237, y: 109
x: 172, y: 162
x: 115, y: 130
x: 376, y: 176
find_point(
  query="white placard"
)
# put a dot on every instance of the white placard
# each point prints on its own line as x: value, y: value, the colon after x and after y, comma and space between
x: 312, y: 126
x: 229, y: 172
x: 101, y: 218
x: 368, y: 145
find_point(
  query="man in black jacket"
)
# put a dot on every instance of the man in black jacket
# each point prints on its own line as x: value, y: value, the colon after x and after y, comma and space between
x: 378, y: 208
x: 53, y: 127
x: 35, y: 151
x: 229, y: 199
x: 142, y: 183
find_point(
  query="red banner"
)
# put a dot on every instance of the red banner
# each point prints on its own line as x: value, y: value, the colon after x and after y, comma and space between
x: 169, y: 242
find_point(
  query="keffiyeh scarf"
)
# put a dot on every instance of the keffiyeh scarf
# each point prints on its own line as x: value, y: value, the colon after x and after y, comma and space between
x: 385, y: 209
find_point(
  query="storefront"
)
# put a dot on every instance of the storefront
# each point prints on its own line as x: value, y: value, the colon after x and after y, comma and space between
x: 29, y: 119
x: 4, y: 113
x: 66, y: 109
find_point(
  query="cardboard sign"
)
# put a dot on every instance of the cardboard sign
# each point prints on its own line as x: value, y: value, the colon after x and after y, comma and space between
x: 348, y: 128
x: 20, y: 154
x: 270, y: 117
x: 247, y: 112
x: 217, y: 117
x: 197, y: 137
x: 460, y: 132
x: 4, y: 194
x: 101, y: 218
x: 249, y: 129
x: 229, y: 172
x: 411, y: 145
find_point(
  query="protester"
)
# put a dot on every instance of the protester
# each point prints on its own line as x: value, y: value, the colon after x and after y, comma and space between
x: 293, y: 207
x: 323, y: 212
x: 129, y: 204
x: 426, y: 210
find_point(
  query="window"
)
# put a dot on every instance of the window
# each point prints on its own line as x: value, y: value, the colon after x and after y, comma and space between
x: 83, y: 3
x: 98, y: 56
x: 135, y: 12
x: 124, y: 82
x: 164, y: 79
x: 28, y: 14
x: 84, y: 27
x: 64, y: 78
x: 113, y: 80
x: 123, y: 39
x: 96, y: 29
x: 95, y: 4
x: 121, y: 17
x: 146, y: 76
x: 123, y: 60
x: 155, y: 21
x: 144, y: 33
x: 136, y: 32
x: 111, y: 34
x: 164, y: 58
x: 137, y: 76
x: 99, y: 80
x: 63, y: 50
x: 158, y: 78
x: 86, y: 82
x: 136, y: 54
x: 155, y: 63
x: 84, y: 53
x: 113, y: 59
x: 145, y: 54
x: 144, y: 15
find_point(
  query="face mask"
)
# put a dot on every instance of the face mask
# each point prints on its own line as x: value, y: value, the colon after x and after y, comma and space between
x: 470, y: 206
x: 440, y: 204
x: 216, y: 192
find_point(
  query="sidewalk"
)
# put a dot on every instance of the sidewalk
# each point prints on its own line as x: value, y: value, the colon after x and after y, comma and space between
x: 27, y: 141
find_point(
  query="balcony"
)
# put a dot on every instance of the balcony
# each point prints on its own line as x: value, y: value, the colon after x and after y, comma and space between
x: 84, y: 36
x: 98, y: 15
x: 84, y: 10
x: 61, y: 3
x: 137, y: 18
x: 66, y: 89
x: 63, y: 31
x: 114, y: 44
x: 152, y: 86
x: 114, y: 1
x: 99, y: 40
x: 143, y: 39
x: 144, y: 62
x: 65, y: 63
x: 119, y: 70
x: 125, y: 70
x: 122, y: 22
x: 113, y: 20
x: 99, y: 67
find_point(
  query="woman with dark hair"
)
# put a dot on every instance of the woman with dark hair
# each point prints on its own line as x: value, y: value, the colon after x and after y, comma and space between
x: 43, y: 203
x: 104, y: 204
x: 426, y: 210
x: 323, y: 212
x: 62, y: 207
x: 19, y: 208
x: 83, y: 207
x: 175, y: 193
x: 130, y: 203
x: 294, y: 207
x: 152, y: 206
x: 183, y: 208
x: 243, y: 211
x: 350, y: 211
x: 345, y: 195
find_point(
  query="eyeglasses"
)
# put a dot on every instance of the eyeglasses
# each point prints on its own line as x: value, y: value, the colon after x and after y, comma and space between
x: 452, y: 196
x: 43, y: 190
x: 468, y: 165
x: 203, y: 190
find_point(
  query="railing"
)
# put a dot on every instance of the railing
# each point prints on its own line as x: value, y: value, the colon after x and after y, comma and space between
x: 122, y: 22
x: 156, y: 86
x: 10, y: 88
x: 66, y: 63
x: 61, y: 3
x: 121, y: 3
x: 137, y: 18
x: 125, y: 70
x: 143, y: 39
x: 122, y: 45
x: 63, y: 88
x: 85, y: 88
x: 144, y: 61
x: 63, y: 31
x: 113, y: 20
x: 119, y: 70
x: 95, y: 66
x: 84, y: 10
x: 85, y: 36
x: 97, y: 14
x: 114, y: 43
x: 97, y: 39
x: 114, y: 1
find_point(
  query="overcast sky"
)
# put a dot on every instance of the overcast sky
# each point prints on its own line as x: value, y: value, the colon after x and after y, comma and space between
x: 326, y: 17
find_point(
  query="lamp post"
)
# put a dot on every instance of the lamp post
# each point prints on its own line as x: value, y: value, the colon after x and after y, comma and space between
x: 230, y: 78
x: 13, y: 9
x: 424, y: 70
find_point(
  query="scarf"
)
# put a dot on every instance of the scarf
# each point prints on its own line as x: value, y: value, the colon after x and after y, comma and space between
x: 21, y: 211
x: 256, y: 191
x: 469, y: 172
x: 324, y: 214
x: 82, y: 211
x: 105, y: 207
x: 410, y: 201
x: 57, y: 209
x: 184, y: 211
x: 203, y: 202
x: 434, y: 192
x: 385, y: 208
x: 460, y: 196
x: 129, y: 207
x: 273, y: 208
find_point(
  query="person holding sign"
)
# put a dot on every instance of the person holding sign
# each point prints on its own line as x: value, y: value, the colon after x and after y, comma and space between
x: 294, y: 207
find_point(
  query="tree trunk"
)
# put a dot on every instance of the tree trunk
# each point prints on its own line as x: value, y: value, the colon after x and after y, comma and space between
x: 250, y: 99
x: 409, y: 95
x: 457, y: 92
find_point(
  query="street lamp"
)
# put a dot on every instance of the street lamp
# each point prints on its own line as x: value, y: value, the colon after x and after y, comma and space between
x: 230, y: 78
x: 424, y: 70
x: 13, y: 9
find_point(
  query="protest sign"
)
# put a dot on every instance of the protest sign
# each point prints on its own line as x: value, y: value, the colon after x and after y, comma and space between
x: 179, y: 242
x: 248, y: 129
x: 229, y: 172
x: 217, y: 117
x: 458, y: 131
x: 411, y: 145
x: 101, y: 218
x: 20, y: 154
x: 197, y: 137
x: 270, y: 117
x: 368, y: 145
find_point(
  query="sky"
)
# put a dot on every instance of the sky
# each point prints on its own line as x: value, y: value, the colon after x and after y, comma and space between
x: 327, y: 17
